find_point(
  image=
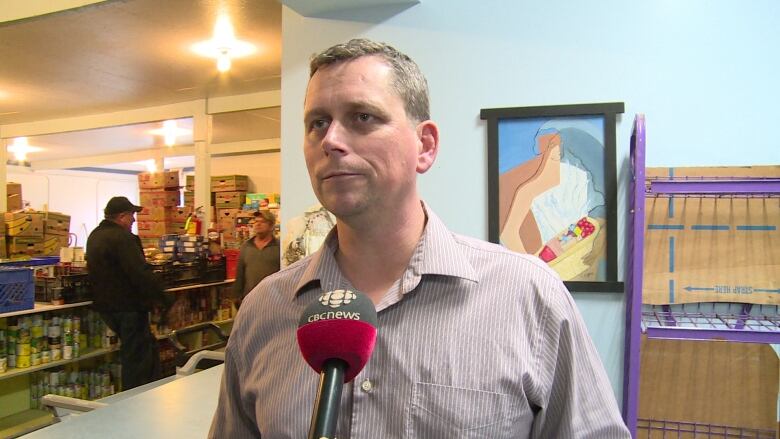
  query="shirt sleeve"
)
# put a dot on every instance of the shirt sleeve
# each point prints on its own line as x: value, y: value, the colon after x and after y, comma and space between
x: 579, y: 402
x: 232, y: 419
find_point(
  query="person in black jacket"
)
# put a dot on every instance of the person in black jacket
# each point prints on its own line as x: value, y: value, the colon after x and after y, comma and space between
x: 124, y: 290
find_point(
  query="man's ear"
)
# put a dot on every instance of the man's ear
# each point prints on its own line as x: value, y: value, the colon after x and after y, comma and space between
x: 428, y: 138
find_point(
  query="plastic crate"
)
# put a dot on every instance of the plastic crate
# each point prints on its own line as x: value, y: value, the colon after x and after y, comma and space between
x: 17, y: 289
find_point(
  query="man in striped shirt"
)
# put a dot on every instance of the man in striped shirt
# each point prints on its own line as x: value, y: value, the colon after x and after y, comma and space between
x: 474, y: 341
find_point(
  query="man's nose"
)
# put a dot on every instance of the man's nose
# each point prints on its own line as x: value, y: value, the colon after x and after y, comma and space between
x: 335, y: 139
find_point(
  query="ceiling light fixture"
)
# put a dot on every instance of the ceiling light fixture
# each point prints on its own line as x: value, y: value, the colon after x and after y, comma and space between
x: 223, y: 46
x: 20, y: 148
x: 170, y: 132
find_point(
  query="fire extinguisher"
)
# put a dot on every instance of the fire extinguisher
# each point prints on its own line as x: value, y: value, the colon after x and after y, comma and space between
x: 194, y: 221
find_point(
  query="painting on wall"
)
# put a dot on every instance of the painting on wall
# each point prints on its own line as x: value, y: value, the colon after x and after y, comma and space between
x: 552, y: 189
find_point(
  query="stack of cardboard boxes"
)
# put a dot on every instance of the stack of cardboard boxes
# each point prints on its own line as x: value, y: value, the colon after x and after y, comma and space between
x: 234, y: 206
x: 35, y: 233
x: 162, y: 215
x: 30, y: 233
x: 229, y: 193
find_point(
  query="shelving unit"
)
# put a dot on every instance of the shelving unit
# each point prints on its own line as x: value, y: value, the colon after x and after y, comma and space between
x: 191, y: 287
x: 735, y: 322
x: 44, y: 307
x: 91, y: 353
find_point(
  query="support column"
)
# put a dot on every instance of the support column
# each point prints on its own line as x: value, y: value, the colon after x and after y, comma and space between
x: 4, y: 174
x: 201, y: 137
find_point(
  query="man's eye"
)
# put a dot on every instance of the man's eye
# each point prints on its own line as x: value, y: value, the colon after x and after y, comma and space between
x: 364, y: 117
x: 319, y: 124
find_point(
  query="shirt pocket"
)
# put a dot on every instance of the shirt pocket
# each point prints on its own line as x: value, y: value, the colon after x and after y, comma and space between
x: 439, y: 411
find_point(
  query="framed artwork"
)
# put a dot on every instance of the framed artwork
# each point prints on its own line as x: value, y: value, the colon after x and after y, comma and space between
x: 552, y: 189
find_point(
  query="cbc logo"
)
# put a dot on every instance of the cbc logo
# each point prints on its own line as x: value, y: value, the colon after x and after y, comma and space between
x: 336, y: 298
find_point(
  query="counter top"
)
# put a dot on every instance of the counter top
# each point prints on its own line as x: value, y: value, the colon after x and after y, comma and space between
x: 179, y: 408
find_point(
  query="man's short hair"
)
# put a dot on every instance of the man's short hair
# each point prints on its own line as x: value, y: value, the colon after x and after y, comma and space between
x: 408, y: 81
x: 267, y: 215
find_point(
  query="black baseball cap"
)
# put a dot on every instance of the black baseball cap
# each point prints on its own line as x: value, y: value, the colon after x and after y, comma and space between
x: 119, y: 205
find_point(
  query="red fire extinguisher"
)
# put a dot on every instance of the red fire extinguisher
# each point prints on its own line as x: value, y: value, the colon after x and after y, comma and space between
x: 194, y: 221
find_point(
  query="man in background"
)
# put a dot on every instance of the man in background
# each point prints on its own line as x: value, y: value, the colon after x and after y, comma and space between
x: 124, y: 290
x: 259, y: 255
x: 473, y: 340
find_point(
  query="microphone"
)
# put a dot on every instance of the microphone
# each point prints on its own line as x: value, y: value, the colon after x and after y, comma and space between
x: 336, y: 335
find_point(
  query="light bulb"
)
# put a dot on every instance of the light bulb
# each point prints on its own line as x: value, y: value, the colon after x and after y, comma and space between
x: 223, y: 62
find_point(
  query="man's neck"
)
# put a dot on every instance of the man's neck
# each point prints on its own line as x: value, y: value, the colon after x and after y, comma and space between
x: 262, y: 239
x: 374, y: 257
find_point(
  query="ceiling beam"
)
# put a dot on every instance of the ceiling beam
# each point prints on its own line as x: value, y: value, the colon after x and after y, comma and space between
x: 104, y: 160
x: 250, y: 101
x: 245, y: 147
x: 223, y: 104
x: 80, y: 123
x: 110, y: 159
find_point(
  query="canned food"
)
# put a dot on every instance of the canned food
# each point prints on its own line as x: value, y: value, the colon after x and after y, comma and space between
x: 22, y: 361
x: 23, y: 349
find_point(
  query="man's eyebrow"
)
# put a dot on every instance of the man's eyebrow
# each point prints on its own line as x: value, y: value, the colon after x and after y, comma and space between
x: 366, y: 106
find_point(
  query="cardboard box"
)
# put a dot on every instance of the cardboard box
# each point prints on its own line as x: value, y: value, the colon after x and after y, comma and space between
x: 56, y: 223
x: 148, y: 229
x: 230, y: 200
x: 13, y: 196
x: 172, y: 214
x: 159, y: 198
x: 26, y: 246
x: 229, y: 183
x: 158, y: 180
x: 24, y: 224
x: 53, y: 243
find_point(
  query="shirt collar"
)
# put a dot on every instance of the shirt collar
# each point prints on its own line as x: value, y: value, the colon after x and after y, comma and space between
x: 437, y: 253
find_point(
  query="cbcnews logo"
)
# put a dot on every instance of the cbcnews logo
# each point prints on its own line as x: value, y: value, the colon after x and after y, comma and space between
x: 336, y: 298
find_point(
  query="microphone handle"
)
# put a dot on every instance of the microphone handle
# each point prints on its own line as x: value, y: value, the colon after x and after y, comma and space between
x: 325, y: 416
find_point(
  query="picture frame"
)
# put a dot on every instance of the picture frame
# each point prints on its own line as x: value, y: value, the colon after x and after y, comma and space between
x: 552, y: 188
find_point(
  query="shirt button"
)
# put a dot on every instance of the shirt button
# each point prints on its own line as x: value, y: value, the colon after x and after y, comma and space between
x: 366, y: 386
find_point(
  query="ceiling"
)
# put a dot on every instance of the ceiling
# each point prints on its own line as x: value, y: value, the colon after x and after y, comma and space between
x: 120, y: 55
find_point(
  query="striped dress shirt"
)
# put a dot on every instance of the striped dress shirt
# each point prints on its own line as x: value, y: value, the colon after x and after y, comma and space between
x: 473, y: 341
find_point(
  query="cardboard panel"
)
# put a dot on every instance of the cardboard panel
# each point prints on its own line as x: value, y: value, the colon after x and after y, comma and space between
x: 708, y: 382
x: 709, y: 249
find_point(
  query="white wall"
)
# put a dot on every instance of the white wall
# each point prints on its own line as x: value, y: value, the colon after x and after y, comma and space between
x: 703, y: 71
x: 82, y: 195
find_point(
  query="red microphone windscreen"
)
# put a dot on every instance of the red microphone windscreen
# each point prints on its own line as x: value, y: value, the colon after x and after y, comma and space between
x: 341, y: 325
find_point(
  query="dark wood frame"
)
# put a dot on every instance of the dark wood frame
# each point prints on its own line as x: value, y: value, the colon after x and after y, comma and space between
x: 609, y: 112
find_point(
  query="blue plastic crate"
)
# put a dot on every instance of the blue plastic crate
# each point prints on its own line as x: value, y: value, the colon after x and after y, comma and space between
x: 17, y: 289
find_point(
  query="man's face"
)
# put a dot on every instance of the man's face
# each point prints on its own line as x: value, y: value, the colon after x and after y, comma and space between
x: 361, y: 149
x: 261, y: 227
x: 126, y: 220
